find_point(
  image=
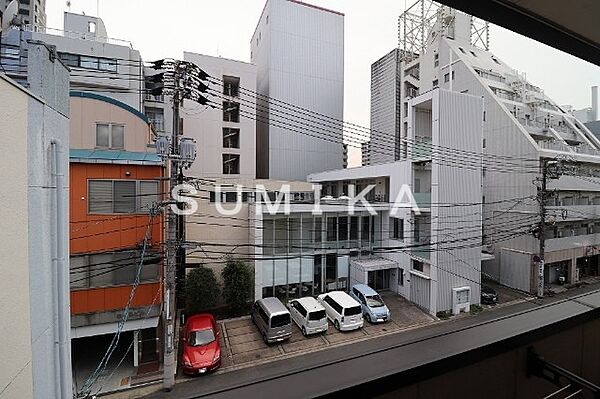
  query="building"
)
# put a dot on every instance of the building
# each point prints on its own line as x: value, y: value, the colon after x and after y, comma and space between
x: 522, y: 128
x: 32, y: 13
x: 115, y: 243
x: 385, y: 108
x: 35, y: 326
x: 408, y: 250
x: 365, y: 150
x: 226, y: 136
x: 298, y: 50
x: 585, y: 115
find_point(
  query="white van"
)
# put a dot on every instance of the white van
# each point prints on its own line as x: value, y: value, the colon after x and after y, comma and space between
x: 343, y: 310
x: 309, y: 315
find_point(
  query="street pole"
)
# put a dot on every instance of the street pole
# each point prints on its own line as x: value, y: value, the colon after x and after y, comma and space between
x: 169, y: 366
x: 542, y: 228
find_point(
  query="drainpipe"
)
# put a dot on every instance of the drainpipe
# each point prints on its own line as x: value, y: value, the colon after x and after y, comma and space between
x: 65, y: 381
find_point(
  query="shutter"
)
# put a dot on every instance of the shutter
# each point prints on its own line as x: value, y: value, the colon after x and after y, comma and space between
x: 124, y: 196
x: 148, y: 194
x: 100, y: 196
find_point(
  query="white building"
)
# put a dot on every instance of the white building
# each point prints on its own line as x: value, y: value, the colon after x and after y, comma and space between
x: 298, y: 49
x: 412, y: 251
x: 225, y: 138
x: 522, y: 127
x: 32, y: 13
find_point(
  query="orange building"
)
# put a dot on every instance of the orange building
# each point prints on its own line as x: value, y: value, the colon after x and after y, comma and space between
x: 116, y: 231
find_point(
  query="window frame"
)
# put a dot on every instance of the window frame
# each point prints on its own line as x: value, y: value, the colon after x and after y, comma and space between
x: 138, y: 209
x: 110, y: 135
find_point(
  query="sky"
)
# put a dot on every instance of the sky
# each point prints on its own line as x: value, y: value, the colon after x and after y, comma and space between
x: 160, y: 29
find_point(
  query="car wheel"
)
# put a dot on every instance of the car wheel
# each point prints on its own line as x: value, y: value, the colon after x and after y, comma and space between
x: 368, y: 317
x: 337, y: 324
x: 304, y: 331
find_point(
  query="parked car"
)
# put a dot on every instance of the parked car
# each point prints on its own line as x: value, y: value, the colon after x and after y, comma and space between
x: 272, y: 319
x: 309, y: 315
x: 344, y: 311
x: 201, y: 349
x: 373, y: 308
x: 489, y: 296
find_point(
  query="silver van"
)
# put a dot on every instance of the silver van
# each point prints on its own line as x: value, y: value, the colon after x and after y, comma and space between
x: 309, y: 315
x: 272, y: 319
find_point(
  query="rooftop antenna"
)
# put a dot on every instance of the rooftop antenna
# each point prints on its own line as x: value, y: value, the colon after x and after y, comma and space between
x: 69, y: 5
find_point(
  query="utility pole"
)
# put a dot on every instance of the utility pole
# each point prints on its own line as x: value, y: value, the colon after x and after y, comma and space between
x: 169, y: 365
x: 542, y: 228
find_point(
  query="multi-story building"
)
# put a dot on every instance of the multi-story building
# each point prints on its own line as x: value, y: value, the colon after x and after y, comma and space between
x: 522, y: 128
x: 298, y: 49
x: 115, y: 241
x: 585, y: 115
x: 225, y: 136
x: 385, y: 108
x: 34, y: 291
x: 408, y: 248
x: 365, y: 151
x: 32, y: 13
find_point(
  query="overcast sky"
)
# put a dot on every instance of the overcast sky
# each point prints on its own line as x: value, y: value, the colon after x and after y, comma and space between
x: 160, y: 28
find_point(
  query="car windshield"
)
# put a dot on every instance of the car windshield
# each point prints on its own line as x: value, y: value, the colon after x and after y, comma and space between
x: 316, y: 315
x: 280, y: 320
x: 352, y: 311
x: 374, y: 301
x: 201, y: 337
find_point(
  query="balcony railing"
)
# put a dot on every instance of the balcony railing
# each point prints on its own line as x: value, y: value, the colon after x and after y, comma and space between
x: 421, y: 148
x: 423, y: 200
x: 82, y: 36
x: 151, y: 97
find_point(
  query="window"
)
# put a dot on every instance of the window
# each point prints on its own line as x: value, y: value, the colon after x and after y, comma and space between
x: 331, y: 229
x: 397, y: 228
x: 453, y: 74
x: 473, y: 53
x: 446, y: 78
x: 89, y: 62
x: 401, y: 277
x: 121, y: 196
x: 231, y: 86
x: 91, y: 27
x: 231, y: 138
x: 462, y: 50
x: 110, y: 136
x: 418, y: 266
x: 231, y: 164
x: 435, y: 83
x: 436, y: 59
x: 231, y: 111
x: 157, y: 118
x: 300, y: 308
x: 280, y: 320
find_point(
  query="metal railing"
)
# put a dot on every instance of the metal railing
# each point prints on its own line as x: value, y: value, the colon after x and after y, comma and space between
x: 78, y: 35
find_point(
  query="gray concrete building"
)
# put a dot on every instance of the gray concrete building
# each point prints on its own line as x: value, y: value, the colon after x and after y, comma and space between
x: 298, y: 49
x: 385, y: 108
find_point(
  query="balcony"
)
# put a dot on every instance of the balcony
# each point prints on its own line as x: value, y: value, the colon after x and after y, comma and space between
x: 421, y: 148
x: 153, y: 98
x: 411, y: 92
x: 423, y: 200
x: 554, y: 145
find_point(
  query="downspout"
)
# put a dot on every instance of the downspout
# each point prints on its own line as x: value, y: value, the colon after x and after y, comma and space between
x: 62, y: 279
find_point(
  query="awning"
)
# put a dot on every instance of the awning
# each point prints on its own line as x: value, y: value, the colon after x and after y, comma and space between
x: 111, y: 328
x: 371, y: 264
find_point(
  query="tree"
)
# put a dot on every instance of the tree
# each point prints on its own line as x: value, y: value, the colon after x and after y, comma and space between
x: 201, y: 290
x: 238, y: 280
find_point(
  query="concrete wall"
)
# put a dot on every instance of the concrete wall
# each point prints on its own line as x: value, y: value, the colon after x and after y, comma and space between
x: 15, y: 329
x: 299, y: 53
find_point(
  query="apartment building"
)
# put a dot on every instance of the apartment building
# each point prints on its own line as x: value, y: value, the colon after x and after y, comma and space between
x: 298, y: 49
x: 31, y: 12
x: 385, y: 108
x: 404, y: 248
x: 522, y: 127
x: 225, y: 136
x: 115, y: 243
x: 35, y: 327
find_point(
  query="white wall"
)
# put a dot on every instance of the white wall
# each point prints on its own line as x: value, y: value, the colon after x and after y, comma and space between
x: 15, y: 328
x: 206, y: 124
x: 299, y: 52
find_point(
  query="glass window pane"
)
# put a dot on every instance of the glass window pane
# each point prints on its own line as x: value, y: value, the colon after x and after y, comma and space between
x: 100, y: 197
x: 102, y: 135
x: 88, y: 62
x: 124, y: 196
x: 108, y: 65
x: 148, y: 194
x: 117, y: 136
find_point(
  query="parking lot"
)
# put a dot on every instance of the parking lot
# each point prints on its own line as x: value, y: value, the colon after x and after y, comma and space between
x: 243, y: 346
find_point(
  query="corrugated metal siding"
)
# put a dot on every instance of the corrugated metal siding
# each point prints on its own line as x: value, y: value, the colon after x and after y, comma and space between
x: 457, y: 123
x: 420, y: 291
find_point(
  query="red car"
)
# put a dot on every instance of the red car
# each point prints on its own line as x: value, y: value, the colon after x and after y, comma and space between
x: 201, y: 349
